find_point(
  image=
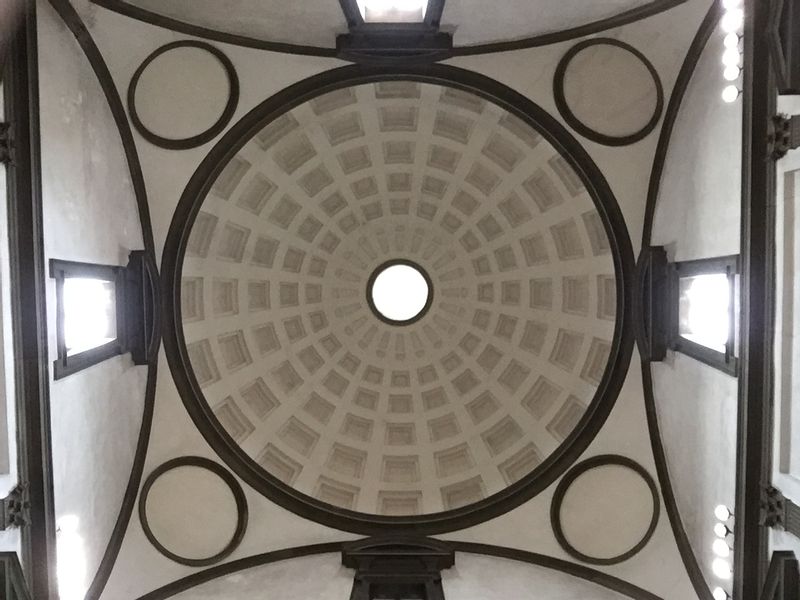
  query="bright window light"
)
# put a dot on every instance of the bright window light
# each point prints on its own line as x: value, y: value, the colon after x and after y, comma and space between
x: 90, y: 314
x: 721, y: 568
x: 730, y: 93
x: 731, y: 40
x: 720, y: 594
x: 400, y: 292
x: 730, y: 57
x: 393, y: 11
x: 705, y: 310
x: 720, y: 548
x: 722, y: 512
x: 731, y: 73
x: 732, y: 20
x: 721, y: 530
x: 71, y: 559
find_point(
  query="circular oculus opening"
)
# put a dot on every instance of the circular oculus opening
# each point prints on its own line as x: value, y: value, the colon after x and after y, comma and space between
x: 399, y: 292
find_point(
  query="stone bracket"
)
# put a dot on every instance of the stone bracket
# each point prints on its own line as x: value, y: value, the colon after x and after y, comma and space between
x: 772, y: 507
x: 779, y: 512
x: 785, y: 135
x: 14, y: 509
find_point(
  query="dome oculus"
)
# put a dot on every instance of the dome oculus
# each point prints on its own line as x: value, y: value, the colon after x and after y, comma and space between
x: 399, y: 292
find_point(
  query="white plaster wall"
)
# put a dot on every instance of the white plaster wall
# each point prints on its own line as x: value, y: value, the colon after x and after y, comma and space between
x: 320, y: 577
x: 90, y: 215
x: 487, y: 578
x: 697, y: 216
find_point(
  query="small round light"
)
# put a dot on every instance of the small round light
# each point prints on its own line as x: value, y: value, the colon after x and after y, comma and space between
x: 721, y: 568
x: 731, y: 73
x: 730, y: 93
x: 732, y: 20
x: 720, y: 594
x: 731, y: 4
x: 731, y: 40
x: 722, y: 512
x: 721, y: 530
x: 731, y: 57
x: 721, y: 548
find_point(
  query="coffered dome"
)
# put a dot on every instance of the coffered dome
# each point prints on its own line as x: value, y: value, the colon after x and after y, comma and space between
x: 311, y: 385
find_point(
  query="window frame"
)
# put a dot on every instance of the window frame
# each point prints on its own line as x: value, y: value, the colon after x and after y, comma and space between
x: 726, y: 361
x: 60, y: 270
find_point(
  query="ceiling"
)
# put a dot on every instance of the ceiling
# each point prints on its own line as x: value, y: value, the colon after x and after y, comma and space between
x: 316, y: 22
x: 379, y: 418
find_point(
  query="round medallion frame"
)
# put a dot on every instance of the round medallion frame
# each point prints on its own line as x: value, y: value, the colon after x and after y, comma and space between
x: 230, y: 481
x: 391, y: 263
x: 205, y: 136
x: 578, y: 125
x: 574, y: 473
x: 365, y: 523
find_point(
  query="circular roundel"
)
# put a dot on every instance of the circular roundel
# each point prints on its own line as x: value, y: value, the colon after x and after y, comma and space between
x: 605, y: 510
x: 608, y: 91
x: 178, y: 87
x: 193, y: 511
x: 365, y: 396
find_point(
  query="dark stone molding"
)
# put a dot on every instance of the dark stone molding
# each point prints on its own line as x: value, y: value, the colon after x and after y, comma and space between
x: 311, y: 508
x: 532, y: 558
x: 755, y: 419
x: 23, y: 196
x: 783, y: 577
x: 84, y: 39
x: 624, y: 18
x: 583, y: 129
x: 12, y: 580
x: 568, y: 480
x: 674, y: 104
x: 205, y: 136
x: 784, y: 21
x: 230, y: 481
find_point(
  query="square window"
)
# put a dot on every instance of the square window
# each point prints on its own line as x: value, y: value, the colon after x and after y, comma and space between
x: 381, y: 11
x: 90, y: 314
x: 704, y: 311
